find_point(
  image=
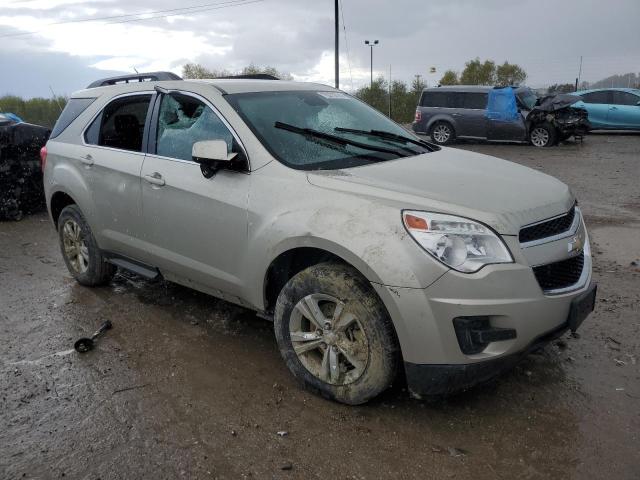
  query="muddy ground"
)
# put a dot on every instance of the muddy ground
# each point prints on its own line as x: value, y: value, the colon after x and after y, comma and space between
x: 187, y: 386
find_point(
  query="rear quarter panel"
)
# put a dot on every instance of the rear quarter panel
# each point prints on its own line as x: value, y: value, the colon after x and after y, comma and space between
x: 64, y: 174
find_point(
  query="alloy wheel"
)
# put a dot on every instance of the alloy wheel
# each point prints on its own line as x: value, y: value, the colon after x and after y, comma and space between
x: 539, y: 137
x: 329, y: 341
x: 441, y: 133
x: 75, y: 248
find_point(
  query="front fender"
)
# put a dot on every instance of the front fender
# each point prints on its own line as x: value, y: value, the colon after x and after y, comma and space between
x: 368, y: 236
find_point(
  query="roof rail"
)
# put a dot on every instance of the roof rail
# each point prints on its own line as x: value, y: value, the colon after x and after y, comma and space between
x: 253, y: 76
x: 138, y: 77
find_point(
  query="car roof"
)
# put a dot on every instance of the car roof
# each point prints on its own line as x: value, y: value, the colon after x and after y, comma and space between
x: 635, y: 91
x: 459, y: 88
x: 224, y: 86
x: 467, y: 88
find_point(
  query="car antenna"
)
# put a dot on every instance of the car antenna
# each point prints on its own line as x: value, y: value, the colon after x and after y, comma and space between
x: 55, y: 98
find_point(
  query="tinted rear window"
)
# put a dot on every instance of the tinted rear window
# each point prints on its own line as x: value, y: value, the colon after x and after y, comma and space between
x: 477, y: 101
x: 473, y: 100
x: 74, y: 107
x: 437, y: 99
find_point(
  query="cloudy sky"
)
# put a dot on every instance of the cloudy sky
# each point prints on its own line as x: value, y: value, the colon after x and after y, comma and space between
x: 65, y: 44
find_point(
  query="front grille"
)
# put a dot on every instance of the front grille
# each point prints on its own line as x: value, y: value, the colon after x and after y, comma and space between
x: 561, y: 274
x: 549, y: 228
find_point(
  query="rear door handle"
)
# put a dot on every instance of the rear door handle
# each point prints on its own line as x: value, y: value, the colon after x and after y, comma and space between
x: 155, y: 179
x: 613, y: 108
x: 87, y: 160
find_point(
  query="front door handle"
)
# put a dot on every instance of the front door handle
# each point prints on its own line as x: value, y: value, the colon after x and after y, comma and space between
x: 155, y: 179
x: 613, y: 108
x: 87, y: 160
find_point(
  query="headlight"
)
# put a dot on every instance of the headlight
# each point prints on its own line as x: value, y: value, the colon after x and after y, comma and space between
x: 459, y: 243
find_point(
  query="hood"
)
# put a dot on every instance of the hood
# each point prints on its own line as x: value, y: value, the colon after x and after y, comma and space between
x: 553, y: 103
x: 501, y: 194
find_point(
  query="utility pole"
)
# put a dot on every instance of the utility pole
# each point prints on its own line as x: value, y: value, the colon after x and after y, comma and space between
x: 337, y: 52
x: 389, y: 91
x: 371, y: 45
x: 580, y: 70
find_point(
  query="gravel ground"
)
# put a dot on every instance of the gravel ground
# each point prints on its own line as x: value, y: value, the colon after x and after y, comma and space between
x: 188, y: 386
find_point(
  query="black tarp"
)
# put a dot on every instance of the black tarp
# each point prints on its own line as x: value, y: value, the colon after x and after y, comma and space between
x: 21, y: 189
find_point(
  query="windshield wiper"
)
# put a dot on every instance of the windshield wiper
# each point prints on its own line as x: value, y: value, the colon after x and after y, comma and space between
x: 387, y: 136
x: 309, y: 132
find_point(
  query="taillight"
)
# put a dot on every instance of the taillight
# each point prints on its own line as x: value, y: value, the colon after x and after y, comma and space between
x: 43, y: 158
x: 418, y: 115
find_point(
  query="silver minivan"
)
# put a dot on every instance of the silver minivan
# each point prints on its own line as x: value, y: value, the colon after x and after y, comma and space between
x: 371, y: 250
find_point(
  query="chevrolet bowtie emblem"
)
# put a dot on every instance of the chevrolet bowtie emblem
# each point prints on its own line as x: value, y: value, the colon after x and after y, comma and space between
x: 576, y: 244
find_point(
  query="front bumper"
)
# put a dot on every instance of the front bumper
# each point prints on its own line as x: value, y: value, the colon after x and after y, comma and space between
x: 507, y: 295
x: 446, y: 379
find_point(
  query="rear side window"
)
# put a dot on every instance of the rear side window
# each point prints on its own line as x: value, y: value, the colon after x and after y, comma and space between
x: 624, y: 98
x: 441, y: 99
x: 476, y: 101
x: 120, y: 124
x: 597, y: 97
x: 73, y: 108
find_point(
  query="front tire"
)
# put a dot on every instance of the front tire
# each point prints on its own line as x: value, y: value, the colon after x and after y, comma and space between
x: 543, y: 135
x: 80, y: 251
x: 442, y: 133
x: 335, y: 334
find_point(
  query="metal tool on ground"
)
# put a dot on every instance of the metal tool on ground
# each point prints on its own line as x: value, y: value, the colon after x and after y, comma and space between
x: 85, y: 344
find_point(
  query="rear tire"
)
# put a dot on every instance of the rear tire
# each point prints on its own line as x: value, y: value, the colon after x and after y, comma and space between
x: 335, y: 334
x: 442, y: 133
x: 80, y: 252
x: 543, y: 135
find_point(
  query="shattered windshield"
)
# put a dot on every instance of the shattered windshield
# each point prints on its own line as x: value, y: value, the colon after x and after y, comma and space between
x: 314, y: 119
x: 527, y: 98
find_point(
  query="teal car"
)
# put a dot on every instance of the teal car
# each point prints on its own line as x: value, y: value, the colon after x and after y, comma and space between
x: 611, y: 108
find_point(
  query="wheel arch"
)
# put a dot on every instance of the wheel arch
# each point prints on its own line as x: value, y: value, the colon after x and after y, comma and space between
x: 442, y: 118
x: 59, y: 200
x: 294, y: 259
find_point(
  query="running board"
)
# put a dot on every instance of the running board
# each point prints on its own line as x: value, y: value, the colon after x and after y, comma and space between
x: 139, y: 268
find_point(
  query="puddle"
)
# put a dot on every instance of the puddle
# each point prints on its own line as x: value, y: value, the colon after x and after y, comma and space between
x: 618, y: 244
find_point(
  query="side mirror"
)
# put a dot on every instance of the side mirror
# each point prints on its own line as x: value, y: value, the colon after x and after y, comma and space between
x: 638, y: 104
x: 211, y: 155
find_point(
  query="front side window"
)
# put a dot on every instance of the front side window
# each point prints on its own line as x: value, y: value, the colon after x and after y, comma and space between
x: 624, y: 98
x: 184, y: 120
x: 323, y: 129
x: 121, y: 124
x: 527, y: 98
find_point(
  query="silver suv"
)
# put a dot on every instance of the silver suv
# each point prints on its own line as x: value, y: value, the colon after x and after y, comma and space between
x: 370, y: 249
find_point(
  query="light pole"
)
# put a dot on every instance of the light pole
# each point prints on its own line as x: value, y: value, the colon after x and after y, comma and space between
x: 371, y: 45
x: 337, y: 46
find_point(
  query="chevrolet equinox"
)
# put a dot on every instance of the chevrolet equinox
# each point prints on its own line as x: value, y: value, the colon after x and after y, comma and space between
x: 372, y: 251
